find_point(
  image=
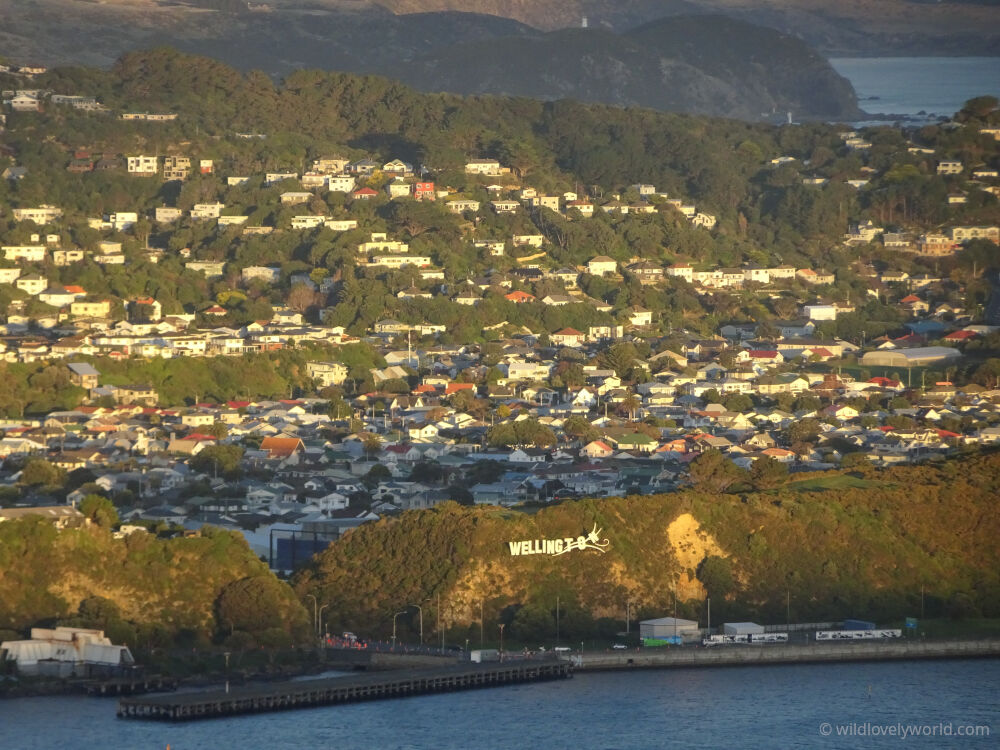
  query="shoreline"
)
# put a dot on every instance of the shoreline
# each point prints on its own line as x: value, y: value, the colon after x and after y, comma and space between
x: 768, y: 655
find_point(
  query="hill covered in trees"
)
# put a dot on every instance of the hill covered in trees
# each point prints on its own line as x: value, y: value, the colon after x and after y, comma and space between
x: 866, y: 547
x: 143, y: 590
x: 469, y: 53
x: 704, y: 64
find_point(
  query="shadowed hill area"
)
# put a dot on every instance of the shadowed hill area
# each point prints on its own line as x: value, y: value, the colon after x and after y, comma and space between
x: 705, y: 64
x: 143, y: 590
x: 860, y: 551
x: 698, y: 64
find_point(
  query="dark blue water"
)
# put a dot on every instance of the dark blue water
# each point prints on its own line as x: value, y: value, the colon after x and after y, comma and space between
x: 750, y: 707
x: 937, y: 86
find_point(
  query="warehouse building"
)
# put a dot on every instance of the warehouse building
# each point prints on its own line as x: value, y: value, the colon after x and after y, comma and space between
x: 667, y: 627
x: 66, y: 652
x: 917, y: 357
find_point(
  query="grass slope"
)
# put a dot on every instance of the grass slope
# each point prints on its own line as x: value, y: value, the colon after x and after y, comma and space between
x: 837, y: 546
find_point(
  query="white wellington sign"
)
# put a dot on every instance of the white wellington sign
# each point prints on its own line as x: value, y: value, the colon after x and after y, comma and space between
x: 556, y: 547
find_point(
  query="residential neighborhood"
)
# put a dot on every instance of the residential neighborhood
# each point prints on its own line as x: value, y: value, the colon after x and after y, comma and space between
x: 464, y: 335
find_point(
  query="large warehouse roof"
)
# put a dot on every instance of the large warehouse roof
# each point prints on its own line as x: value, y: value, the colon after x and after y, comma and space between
x: 920, y: 355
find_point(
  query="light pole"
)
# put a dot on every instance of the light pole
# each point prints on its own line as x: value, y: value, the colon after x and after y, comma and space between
x: 501, y: 640
x: 421, y: 611
x: 394, y: 627
x: 319, y: 620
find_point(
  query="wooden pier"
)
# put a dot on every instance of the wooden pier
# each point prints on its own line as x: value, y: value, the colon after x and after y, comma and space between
x: 332, y: 691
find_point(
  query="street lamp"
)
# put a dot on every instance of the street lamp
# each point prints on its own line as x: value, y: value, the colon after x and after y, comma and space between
x: 394, y: 627
x: 501, y: 640
x: 319, y: 620
x: 421, y: 611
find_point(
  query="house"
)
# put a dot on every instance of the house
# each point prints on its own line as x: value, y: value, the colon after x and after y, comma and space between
x: 601, y: 264
x: 340, y: 183
x: 282, y: 447
x: 568, y: 337
x: 143, y: 165
x: 639, y: 316
x: 949, y: 167
x: 597, y: 449
x: 820, y: 312
x: 461, y: 205
x: 934, y: 244
x: 519, y: 297
x: 424, y: 191
x: 27, y: 253
x: 810, y: 276
x: 83, y: 375
x: 490, y: 167
x: 266, y: 274
x: 44, y: 214
x: 964, y: 234
x: 505, y: 207
x: 681, y: 271
x: 176, y: 167
x: 605, y: 332
x: 32, y: 284
x: 57, y: 296
x: 136, y: 394
x: 646, y: 272
x: 206, y: 210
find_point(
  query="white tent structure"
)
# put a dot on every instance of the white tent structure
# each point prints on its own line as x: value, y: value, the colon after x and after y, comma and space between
x: 65, y: 652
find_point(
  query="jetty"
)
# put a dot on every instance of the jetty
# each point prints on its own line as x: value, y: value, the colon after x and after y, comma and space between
x: 338, y: 690
x: 767, y: 654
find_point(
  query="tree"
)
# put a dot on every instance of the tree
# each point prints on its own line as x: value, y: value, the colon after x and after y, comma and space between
x: 252, y: 605
x: 218, y: 458
x: 630, y: 404
x: 738, y: 402
x: 100, y: 510
x: 372, y: 443
x: 716, y: 575
x: 714, y: 472
x: 802, y: 431
x: 977, y: 108
x: 619, y: 357
x: 578, y: 427
x: 767, y: 473
x: 39, y: 472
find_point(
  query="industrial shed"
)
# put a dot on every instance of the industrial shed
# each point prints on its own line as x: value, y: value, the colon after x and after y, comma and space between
x: 66, y: 652
x: 917, y: 357
x: 665, y: 627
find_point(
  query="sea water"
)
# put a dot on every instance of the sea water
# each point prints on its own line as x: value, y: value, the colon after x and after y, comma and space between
x: 857, y: 705
x: 923, y: 88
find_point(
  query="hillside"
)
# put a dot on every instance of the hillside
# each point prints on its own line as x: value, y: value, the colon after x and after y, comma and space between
x: 703, y: 64
x: 143, y: 589
x: 846, y: 28
x: 462, y: 52
x: 865, y: 550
